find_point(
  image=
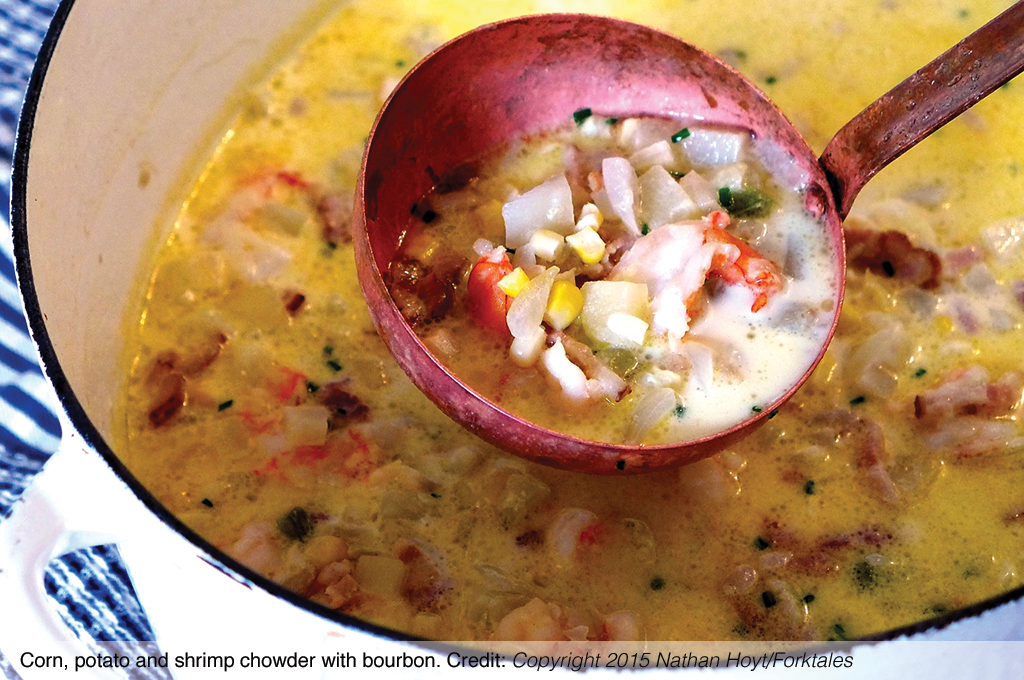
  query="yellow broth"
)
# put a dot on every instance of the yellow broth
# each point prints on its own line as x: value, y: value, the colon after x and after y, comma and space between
x: 833, y: 543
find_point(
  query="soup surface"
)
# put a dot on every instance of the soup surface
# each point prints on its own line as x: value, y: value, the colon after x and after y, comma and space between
x: 625, y: 280
x: 262, y: 408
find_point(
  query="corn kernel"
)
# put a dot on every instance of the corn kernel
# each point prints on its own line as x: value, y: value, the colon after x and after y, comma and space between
x: 587, y: 244
x: 943, y: 324
x: 590, y: 216
x: 564, y: 304
x: 546, y: 243
x: 513, y: 282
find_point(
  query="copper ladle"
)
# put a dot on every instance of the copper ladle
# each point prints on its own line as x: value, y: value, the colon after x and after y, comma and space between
x: 525, y: 75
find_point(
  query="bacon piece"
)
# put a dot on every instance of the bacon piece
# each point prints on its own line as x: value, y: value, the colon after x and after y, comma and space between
x: 335, y: 213
x: 968, y: 392
x: 891, y: 254
x: 345, y: 406
x: 170, y: 369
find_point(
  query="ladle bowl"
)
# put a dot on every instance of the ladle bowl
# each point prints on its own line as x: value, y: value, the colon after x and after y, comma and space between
x: 506, y: 80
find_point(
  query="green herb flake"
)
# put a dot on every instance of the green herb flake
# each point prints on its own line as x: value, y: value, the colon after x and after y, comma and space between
x: 311, y: 387
x: 207, y: 502
x: 580, y: 116
x: 657, y: 583
x: 858, y: 400
x: 748, y: 202
x: 225, y: 405
x: 838, y: 633
x: 774, y: 412
x: 612, y: 121
x: 400, y: 63
x: 296, y: 524
x: 756, y: 409
x: 328, y: 349
x: 808, y: 598
x: 920, y: 372
x: 335, y: 366
x: 679, y: 411
x: 681, y: 135
x: 676, y: 174
x: 809, y: 487
x: 645, y: 229
x: 761, y: 544
x: 771, y: 80
x: 768, y: 598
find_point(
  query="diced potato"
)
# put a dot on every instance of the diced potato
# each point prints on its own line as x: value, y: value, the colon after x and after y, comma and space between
x: 380, y: 575
x: 732, y: 176
x: 546, y: 206
x: 659, y: 153
x: 564, y: 304
x: 664, y: 200
x: 631, y: 329
x: 602, y: 299
x: 513, y: 282
x: 587, y: 244
x: 700, y: 190
x: 306, y: 425
x: 706, y: 147
x: 637, y: 133
x: 526, y: 349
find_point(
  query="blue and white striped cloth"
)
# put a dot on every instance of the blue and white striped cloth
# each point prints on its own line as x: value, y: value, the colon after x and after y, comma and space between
x: 89, y: 588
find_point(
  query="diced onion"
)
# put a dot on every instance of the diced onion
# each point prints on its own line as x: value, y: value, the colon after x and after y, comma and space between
x: 527, y: 309
x: 651, y: 407
x: 623, y: 189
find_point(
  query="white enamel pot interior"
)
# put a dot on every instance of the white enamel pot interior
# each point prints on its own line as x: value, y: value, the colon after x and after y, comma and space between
x: 125, y: 99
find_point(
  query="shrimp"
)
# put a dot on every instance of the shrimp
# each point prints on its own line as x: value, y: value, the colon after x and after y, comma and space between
x: 748, y: 267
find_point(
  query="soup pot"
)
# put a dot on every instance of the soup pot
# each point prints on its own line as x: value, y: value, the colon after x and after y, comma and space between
x: 123, y: 101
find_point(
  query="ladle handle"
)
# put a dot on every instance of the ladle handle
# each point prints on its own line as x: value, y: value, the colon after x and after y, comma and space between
x: 924, y: 102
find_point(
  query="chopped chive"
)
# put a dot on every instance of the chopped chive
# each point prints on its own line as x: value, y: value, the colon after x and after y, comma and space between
x: 224, y: 405
x: 657, y: 583
x: 838, y: 633
x: 858, y: 400
x: 755, y: 409
x: 809, y: 487
x: 676, y: 174
x: 581, y: 115
x: 761, y: 544
x: 612, y: 121
x: 774, y: 412
x: 680, y: 411
x: 400, y: 63
x: 328, y: 349
x: 920, y: 372
x: 207, y: 502
x: 311, y: 387
x: 334, y: 365
x: 620, y: 465
x: 771, y: 80
x: 681, y: 135
x: 645, y: 229
x: 768, y: 598
x: 809, y: 598
x: 725, y: 197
